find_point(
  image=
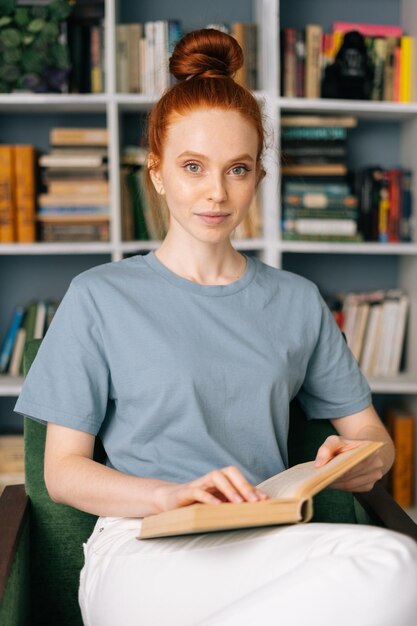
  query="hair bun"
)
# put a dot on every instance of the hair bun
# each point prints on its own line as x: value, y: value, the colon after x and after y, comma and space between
x: 206, y: 53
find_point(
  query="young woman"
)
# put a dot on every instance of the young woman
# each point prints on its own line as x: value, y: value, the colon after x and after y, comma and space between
x: 184, y: 362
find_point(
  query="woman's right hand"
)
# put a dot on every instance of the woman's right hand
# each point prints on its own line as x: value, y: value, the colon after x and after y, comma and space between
x: 223, y: 485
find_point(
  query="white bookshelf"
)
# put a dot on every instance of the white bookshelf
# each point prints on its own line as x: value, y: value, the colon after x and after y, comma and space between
x: 270, y: 16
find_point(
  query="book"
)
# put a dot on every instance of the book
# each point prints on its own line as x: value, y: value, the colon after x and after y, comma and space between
x: 372, y: 30
x: 79, y: 136
x: 7, y: 195
x: 290, y: 500
x: 8, y: 343
x: 313, y: 37
x: 316, y: 169
x: 25, y: 192
x: 325, y: 121
x: 400, y: 425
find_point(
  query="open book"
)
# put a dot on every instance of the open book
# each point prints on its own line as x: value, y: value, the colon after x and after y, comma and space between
x: 290, y: 500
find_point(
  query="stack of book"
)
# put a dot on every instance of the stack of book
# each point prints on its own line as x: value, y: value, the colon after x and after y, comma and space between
x: 27, y: 323
x: 17, y: 193
x: 385, y: 204
x: 306, y: 54
x: 143, y: 51
x: 374, y: 324
x: 76, y: 205
x: 317, y: 199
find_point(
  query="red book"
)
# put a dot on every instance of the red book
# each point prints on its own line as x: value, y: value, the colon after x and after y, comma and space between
x: 370, y: 30
x: 394, y: 190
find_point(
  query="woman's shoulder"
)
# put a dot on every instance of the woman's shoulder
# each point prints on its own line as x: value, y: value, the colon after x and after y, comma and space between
x: 111, y: 273
x: 286, y: 280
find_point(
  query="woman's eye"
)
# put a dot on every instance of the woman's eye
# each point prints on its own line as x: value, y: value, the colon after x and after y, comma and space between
x: 239, y: 170
x: 193, y: 167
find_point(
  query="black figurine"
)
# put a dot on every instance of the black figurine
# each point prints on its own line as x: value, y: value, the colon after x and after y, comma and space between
x: 351, y: 75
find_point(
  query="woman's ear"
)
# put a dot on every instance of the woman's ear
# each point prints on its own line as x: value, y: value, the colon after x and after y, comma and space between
x: 154, y: 173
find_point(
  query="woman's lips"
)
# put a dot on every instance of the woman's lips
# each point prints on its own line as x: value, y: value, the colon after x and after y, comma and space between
x: 214, y: 218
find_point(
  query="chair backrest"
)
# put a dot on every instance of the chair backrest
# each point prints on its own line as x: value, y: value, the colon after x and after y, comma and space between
x: 58, y: 531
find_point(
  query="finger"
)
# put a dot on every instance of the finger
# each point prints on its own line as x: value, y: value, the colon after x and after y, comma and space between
x: 331, y: 447
x: 245, y: 488
x: 217, y: 480
x: 191, y: 495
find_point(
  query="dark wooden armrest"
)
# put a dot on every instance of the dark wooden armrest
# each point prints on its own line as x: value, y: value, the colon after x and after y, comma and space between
x: 381, y: 506
x: 14, y: 506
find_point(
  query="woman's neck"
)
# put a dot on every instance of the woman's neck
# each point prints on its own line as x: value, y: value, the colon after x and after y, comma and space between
x: 208, y: 264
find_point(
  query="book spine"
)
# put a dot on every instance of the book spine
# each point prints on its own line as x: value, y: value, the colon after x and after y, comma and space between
x: 397, y: 74
x: 406, y: 207
x: 7, y: 194
x: 379, y: 54
x: 290, y: 72
x: 238, y: 34
x: 79, y: 136
x: 401, y: 427
x: 25, y: 193
x: 95, y: 42
x: 406, y: 44
x: 388, y: 81
x: 300, y: 61
x: 7, y: 347
x: 320, y: 226
x: 314, y: 34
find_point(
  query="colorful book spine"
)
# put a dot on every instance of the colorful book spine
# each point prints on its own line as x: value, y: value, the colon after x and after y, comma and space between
x: 25, y: 193
x: 7, y: 194
x: 7, y: 347
x: 401, y: 427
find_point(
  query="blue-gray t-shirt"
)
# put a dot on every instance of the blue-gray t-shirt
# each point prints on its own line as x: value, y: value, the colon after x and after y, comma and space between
x: 179, y: 378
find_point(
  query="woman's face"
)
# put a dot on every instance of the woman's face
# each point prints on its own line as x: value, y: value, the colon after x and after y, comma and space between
x: 208, y: 173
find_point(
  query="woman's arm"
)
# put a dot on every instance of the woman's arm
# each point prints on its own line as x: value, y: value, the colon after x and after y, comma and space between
x: 352, y: 429
x: 72, y: 477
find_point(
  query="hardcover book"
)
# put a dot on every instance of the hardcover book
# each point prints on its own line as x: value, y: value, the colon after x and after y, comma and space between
x: 290, y: 500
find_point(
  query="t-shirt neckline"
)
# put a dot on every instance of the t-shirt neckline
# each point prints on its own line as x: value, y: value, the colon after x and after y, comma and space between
x: 205, y: 290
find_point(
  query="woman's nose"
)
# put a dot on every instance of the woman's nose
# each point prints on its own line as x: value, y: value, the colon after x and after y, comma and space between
x: 217, y: 188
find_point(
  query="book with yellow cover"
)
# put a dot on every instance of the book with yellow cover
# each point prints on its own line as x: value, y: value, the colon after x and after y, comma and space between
x: 290, y: 500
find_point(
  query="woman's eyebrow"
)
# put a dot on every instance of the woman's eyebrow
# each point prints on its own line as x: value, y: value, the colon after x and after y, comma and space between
x: 240, y: 157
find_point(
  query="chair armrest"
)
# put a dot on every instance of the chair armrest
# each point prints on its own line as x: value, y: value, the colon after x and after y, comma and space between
x: 14, y: 506
x: 382, y: 507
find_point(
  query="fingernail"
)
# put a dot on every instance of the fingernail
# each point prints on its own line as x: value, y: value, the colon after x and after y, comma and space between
x: 319, y: 461
x: 237, y: 498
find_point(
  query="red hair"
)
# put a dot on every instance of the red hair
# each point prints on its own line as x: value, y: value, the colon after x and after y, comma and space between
x: 204, y: 62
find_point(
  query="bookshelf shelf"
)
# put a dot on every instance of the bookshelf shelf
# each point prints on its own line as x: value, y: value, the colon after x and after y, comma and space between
x: 56, y: 248
x: 364, y: 109
x: 67, y: 103
x: 241, y: 244
x: 348, y: 248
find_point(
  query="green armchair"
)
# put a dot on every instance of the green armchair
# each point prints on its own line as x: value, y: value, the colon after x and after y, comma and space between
x: 41, y: 551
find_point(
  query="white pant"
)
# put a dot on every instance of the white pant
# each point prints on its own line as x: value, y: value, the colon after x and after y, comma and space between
x: 309, y: 574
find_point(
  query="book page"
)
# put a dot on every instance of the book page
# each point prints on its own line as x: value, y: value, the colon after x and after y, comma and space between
x: 306, y: 480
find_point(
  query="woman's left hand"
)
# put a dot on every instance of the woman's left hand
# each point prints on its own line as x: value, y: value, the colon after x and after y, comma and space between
x: 363, y: 476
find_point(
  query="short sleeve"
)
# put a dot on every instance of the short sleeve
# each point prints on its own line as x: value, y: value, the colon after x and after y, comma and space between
x: 333, y: 386
x: 68, y: 382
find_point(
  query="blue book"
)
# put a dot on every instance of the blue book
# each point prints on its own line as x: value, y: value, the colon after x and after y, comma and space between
x: 7, y: 347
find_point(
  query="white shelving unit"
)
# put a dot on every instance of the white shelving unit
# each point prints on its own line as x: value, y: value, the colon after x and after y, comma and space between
x: 269, y: 247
